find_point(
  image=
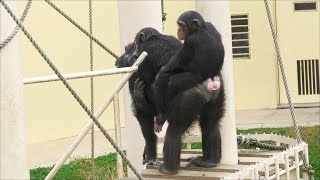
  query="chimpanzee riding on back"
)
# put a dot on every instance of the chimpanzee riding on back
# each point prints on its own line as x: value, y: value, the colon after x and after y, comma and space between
x: 178, y: 92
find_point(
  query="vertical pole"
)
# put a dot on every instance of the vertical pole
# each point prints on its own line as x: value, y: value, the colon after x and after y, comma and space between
x: 286, y: 162
x: 118, y: 133
x: 266, y: 170
x: 296, y: 162
x: 133, y: 16
x: 13, y: 150
x: 306, y: 152
x: 218, y: 13
x: 276, y: 164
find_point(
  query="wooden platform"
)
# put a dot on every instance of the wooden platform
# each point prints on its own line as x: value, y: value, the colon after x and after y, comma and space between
x: 252, y: 164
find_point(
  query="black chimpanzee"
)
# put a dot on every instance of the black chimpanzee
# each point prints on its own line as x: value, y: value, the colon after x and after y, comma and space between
x: 160, y: 49
x: 178, y: 95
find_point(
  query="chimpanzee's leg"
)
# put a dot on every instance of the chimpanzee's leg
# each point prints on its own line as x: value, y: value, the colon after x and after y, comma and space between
x: 184, y: 110
x: 211, y: 140
x: 144, y: 113
x: 147, y: 124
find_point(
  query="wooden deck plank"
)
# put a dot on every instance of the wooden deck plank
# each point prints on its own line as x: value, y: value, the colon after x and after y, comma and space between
x: 185, y: 175
x: 229, y: 168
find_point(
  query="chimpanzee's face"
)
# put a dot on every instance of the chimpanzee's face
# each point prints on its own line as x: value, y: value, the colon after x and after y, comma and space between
x: 127, y: 59
x: 182, y: 31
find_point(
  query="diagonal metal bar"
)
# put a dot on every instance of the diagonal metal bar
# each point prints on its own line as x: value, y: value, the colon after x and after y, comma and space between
x: 87, y: 128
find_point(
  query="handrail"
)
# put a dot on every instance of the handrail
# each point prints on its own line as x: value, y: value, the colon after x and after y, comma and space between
x: 78, y: 75
x: 97, y: 115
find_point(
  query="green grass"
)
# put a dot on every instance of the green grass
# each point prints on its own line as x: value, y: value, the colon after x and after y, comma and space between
x: 105, y: 166
x: 80, y: 168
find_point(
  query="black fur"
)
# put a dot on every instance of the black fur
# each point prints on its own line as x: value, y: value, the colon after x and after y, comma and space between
x: 178, y: 94
x: 160, y: 49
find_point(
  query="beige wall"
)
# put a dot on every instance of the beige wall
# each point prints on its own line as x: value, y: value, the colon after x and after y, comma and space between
x: 298, y: 33
x: 51, y: 111
x: 256, y: 78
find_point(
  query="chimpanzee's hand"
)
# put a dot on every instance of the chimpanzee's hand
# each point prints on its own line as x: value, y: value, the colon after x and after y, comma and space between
x: 160, y: 119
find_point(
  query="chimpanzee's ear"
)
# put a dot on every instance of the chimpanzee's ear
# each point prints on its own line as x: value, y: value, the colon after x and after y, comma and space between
x: 141, y: 37
x: 196, y: 24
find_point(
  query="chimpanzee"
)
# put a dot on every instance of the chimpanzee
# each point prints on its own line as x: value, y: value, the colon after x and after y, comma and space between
x: 178, y: 96
x: 160, y: 49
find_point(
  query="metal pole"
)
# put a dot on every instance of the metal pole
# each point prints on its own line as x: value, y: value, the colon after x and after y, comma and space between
x: 133, y: 16
x: 118, y: 133
x: 218, y: 13
x: 84, y: 132
x: 79, y: 75
x: 13, y: 148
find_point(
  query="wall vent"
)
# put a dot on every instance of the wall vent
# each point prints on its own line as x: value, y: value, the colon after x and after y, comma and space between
x: 240, y: 36
x: 308, y: 77
x: 305, y: 6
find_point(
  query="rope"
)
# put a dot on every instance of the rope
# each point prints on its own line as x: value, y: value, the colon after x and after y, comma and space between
x: 91, y: 91
x: 81, y: 29
x: 17, y: 28
x: 296, y: 129
x: 67, y: 85
x: 246, y: 141
x: 163, y: 14
x: 162, y: 11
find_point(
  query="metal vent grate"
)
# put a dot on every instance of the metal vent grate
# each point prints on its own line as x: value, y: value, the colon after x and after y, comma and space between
x: 240, y: 36
x: 308, y: 77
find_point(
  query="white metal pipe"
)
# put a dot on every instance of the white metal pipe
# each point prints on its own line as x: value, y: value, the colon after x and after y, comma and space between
x: 118, y: 133
x: 79, y: 75
x: 188, y: 145
x: 286, y: 159
x: 102, y: 108
x: 133, y: 16
x: 252, y: 173
x: 13, y: 148
x: 240, y: 176
x: 296, y: 159
x: 266, y: 170
x: 218, y: 13
x: 256, y: 172
x: 276, y: 164
x: 305, y: 151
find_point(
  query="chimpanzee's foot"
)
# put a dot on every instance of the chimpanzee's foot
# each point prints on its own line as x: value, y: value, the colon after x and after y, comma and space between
x: 165, y: 170
x: 154, y: 162
x: 199, y: 162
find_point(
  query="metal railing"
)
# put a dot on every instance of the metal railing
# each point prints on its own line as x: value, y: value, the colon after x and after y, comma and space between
x: 114, y: 96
